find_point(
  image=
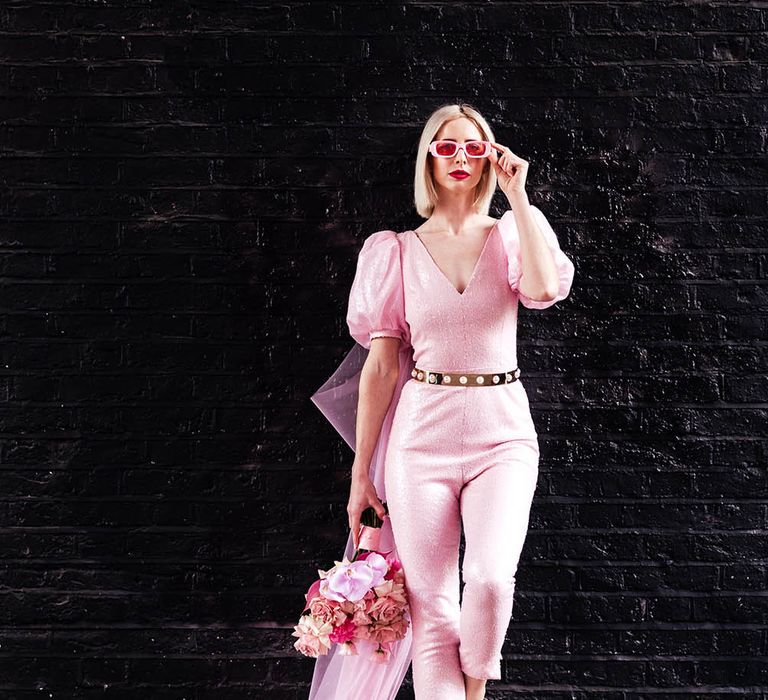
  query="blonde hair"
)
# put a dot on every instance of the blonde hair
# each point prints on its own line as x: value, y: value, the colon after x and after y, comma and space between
x: 424, y: 191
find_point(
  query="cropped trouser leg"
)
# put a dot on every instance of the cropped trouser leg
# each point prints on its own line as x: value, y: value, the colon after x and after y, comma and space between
x: 495, y: 508
x: 426, y: 524
x: 427, y: 503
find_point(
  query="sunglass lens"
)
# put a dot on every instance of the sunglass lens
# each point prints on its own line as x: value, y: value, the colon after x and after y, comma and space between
x: 475, y: 149
x: 445, y: 148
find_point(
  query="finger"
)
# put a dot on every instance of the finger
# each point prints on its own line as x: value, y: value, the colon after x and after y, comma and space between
x: 511, y: 162
x: 506, y: 150
x: 355, y: 526
x: 374, y: 503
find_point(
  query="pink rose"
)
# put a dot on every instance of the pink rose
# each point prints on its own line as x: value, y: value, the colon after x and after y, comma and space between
x: 327, y: 611
x: 361, y: 617
x: 385, y: 610
x: 390, y: 632
x: 313, y: 636
x: 392, y: 589
x: 362, y: 633
x: 310, y: 646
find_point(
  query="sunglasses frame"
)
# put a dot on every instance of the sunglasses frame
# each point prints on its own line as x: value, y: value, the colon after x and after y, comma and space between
x: 433, y: 148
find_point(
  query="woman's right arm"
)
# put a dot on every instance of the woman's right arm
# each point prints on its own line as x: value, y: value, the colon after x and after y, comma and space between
x: 378, y: 379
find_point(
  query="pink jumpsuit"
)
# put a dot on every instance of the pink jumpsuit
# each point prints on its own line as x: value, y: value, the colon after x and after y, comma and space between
x: 456, y: 454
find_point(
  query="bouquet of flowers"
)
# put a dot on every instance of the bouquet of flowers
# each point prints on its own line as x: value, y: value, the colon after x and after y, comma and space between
x: 356, y: 602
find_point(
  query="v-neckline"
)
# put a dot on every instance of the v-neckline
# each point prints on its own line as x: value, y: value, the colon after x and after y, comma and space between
x: 474, y: 270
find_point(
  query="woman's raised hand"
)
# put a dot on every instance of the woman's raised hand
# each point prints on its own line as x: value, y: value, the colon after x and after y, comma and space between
x: 511, y: 170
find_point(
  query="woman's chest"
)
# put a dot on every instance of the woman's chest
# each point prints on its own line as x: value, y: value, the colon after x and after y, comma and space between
x: 432, y: 298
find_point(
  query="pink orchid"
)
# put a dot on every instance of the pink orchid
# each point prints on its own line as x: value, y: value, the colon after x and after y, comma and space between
x: 351, y: 581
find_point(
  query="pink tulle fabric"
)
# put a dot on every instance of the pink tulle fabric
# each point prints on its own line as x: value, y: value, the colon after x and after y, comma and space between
x: 377, y: 308
x: 338, y: 677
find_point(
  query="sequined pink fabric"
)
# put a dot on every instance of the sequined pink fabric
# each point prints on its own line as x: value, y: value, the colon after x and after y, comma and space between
x: 446, y: 455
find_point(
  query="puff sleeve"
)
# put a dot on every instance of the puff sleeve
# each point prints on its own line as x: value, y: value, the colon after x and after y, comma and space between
x: 564, y: 265
x: 376, y: 300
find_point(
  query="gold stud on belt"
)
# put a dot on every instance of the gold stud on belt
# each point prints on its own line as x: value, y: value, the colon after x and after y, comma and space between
x: 466, y: 378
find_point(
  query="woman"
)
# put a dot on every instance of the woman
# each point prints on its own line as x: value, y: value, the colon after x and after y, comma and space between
x: 443, y: 430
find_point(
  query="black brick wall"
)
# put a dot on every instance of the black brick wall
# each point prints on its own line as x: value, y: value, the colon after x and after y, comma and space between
x: 185, y: 189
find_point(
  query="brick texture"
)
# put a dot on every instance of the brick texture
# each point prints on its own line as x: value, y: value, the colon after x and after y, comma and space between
x: 186, y: 185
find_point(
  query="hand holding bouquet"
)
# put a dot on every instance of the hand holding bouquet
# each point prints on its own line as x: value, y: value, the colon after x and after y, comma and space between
x: 362, y: 600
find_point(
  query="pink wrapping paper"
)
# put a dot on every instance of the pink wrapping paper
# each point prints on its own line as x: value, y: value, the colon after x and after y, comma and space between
x: 338, y: 677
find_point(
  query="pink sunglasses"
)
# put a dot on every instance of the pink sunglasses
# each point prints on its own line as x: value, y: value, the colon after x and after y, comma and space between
x: 448, y: 149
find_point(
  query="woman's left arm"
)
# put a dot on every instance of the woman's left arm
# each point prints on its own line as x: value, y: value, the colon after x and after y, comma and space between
x: 539, y: 279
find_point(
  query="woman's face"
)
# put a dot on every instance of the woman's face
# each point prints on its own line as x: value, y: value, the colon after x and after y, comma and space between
x: 459, y: 130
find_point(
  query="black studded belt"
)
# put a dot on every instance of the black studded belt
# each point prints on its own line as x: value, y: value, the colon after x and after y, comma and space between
x: 465, y: 378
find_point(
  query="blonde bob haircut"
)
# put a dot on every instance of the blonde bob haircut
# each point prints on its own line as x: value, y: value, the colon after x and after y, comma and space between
x: 424, y: 191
